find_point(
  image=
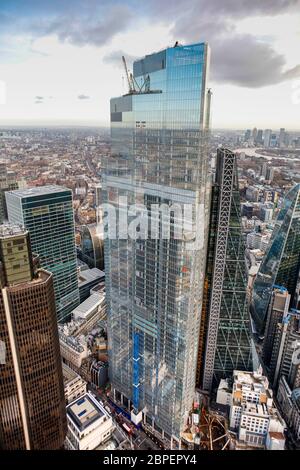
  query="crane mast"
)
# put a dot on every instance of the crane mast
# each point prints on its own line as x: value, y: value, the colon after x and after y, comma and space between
x: 128, y: 76
x: 133, y: 86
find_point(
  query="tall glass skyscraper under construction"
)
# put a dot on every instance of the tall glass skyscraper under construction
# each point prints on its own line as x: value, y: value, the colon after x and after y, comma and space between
x: 224, y: 341
x: 154, y: 280
x: 281, y: 264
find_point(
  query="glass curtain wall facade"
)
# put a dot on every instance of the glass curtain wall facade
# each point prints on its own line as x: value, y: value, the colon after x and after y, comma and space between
x: 280, y: 266
x: 225, y: 343
x: 91, y: 245
x: 47, y: 212
x: 154, y: 284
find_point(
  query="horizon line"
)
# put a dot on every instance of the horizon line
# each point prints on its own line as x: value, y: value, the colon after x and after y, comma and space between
x: 106, y: 125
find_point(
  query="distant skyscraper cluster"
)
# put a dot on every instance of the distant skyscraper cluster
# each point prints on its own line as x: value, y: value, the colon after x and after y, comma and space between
x: 268, y: 138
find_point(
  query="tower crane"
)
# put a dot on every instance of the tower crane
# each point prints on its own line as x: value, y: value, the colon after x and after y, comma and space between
x: 129, y: 77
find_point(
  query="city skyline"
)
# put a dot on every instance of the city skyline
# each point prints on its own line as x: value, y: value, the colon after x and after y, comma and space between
x: 58, y: 63
x: 149, y: 227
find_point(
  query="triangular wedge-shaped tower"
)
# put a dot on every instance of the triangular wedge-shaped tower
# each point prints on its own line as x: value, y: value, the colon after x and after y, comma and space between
x: 225, y: 343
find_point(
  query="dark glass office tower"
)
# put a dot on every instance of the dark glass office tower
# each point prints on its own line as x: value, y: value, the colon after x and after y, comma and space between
x: 47, y: 212
x: 154, y: 283
x: 280, y: 266
x: 32, y: 402
x: 225, y: 343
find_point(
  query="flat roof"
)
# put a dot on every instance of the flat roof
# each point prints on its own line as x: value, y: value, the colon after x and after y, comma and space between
x: 255, y: 408
x: 84, y: 412
x: 68, y: 374
x: 71, y: 341
x: 81, y: 263
x: 9, y: 230
x: 42, y: 276
x: 98, y: 288
x: 88, y: 305
x: 89, y: 275
x: 38, y: 190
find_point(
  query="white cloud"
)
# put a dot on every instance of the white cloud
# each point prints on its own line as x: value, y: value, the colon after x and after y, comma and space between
x: 65, y: 71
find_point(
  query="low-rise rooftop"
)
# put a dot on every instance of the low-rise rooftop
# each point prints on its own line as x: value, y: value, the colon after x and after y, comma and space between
x: 10, y: 230
x: 88, y: 307
x: 68, y: 374
x: 89, y: 275
x: 84, y: 412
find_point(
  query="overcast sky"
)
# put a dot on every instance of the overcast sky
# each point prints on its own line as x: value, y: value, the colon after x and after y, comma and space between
x: 60, y: 60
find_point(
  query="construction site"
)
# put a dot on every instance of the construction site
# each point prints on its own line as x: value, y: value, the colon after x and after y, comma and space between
x: 207, y: 430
